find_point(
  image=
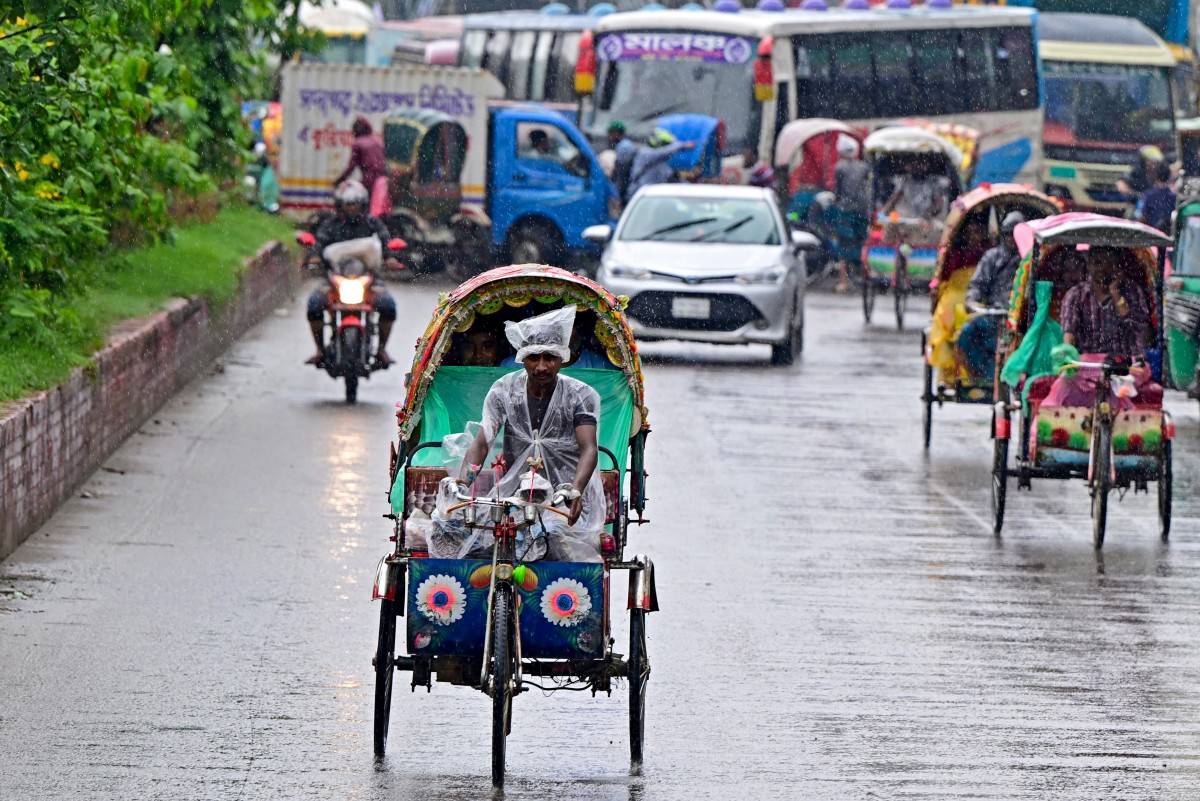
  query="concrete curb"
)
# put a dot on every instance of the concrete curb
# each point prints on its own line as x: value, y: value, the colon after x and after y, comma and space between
x: 52, y: 441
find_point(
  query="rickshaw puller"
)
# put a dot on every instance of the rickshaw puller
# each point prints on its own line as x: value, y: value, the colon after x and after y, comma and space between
x: 990, y: 287
x: 550, y: 420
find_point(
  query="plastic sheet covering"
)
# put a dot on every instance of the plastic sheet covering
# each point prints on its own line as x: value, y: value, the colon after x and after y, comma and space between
x: 546, y: 333
x: 367, y: 249
x: 948, y: 318
x: 1035, y: 356
x: 537, y: 460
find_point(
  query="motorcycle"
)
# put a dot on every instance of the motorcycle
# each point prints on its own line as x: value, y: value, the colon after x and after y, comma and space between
x: 350, y: 318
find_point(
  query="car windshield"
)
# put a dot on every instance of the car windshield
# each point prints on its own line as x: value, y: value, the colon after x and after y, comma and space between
x: 639, y: 92
x: 1094, y: 105
x: 736, y: 221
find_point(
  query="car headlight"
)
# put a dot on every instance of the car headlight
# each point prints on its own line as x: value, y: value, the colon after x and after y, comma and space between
x: 772, y: 275
x: 620, y: 271
x: 351, y: 292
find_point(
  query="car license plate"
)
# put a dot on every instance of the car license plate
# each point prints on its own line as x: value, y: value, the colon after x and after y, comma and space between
x: 691, y: 308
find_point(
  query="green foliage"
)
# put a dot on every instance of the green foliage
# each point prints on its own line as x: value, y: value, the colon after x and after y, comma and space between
x: 51, y: 335
x: 109, y: 111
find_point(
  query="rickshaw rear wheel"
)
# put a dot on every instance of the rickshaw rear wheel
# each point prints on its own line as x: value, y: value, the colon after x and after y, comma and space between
x: 639, y: 674
x: 868, y: 297
x: 385, y: 673
x: 502, y: 675
x: 999, y: 482
x: 901, y: 297
x: 927, y: 397
x: 1165, y: 473
x: 1101, y: 483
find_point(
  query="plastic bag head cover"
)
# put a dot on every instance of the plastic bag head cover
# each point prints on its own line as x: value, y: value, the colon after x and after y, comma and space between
x: 546, y: 333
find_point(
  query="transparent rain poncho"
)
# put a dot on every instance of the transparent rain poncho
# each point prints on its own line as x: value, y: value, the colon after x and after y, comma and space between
x: 550, y: 451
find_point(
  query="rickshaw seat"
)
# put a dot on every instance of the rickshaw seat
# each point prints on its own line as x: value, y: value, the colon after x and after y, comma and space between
x: 1150, y: 396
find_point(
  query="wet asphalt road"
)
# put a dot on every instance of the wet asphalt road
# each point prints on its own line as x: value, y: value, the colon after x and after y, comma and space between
x: 838, y: 621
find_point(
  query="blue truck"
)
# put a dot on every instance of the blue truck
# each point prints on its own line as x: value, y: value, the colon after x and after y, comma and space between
x: 542, y: 185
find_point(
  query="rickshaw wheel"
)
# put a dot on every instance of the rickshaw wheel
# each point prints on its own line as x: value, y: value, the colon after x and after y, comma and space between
x: 502, y: 675
x: 928, y: 396
x: 639, y: 674
x: 901, y: 297
x: 1101, y: 482
x: 385, y: 672
x: 1164, y: 491
x: 999, y: 482
x: 868, y: 297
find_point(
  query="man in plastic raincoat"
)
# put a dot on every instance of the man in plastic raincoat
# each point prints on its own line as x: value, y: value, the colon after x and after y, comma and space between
x: 550, y: 423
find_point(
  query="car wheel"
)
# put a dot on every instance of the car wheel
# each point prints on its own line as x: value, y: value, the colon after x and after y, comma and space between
x: 784, y: 353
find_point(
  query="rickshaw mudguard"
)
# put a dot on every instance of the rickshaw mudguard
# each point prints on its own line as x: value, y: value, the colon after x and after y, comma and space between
x: 389, y: 574
x: 561, y: 608
x: 642, y: 591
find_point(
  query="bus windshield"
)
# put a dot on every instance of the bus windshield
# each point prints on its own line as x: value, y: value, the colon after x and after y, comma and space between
x: 1108, y: 106
x: 691, y: 78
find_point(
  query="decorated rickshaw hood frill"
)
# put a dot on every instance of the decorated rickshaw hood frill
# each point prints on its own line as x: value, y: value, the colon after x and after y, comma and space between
x: 518, y: 286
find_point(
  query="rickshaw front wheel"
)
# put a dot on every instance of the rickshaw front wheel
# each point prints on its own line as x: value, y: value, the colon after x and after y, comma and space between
x: 1164, y: 491
x: 385, y: 672
x: 1101, y: 483
x: 928, y: 399
x: 502, y: 680
x: 639, y: 674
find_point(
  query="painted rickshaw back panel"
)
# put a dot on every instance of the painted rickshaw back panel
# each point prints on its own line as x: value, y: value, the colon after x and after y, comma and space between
x: 561, y: 608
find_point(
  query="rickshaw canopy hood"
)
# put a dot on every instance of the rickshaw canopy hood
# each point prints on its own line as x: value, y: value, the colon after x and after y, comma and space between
x: 517, y: 286
x: 987, y: 195
x: 796, y: 133
x: 1080, y: 228
x: 910, y: 139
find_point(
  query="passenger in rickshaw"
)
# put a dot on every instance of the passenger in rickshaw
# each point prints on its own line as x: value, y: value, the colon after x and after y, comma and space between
x: 1107, y: 314
x: 479, y: 347
x: 965, y: 252
x: 549, y: 423
x: 990, y: 289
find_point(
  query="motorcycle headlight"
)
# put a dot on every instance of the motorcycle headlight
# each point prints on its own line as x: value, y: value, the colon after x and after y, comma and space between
x: 772, y: 275
x: 620, y: 271
x: 351, y: 292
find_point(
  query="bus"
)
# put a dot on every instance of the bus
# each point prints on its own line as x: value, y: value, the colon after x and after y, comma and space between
x: 1108, y: 93
x: 1169, y: 19
x: 758, y: 70
x: 533, y: 55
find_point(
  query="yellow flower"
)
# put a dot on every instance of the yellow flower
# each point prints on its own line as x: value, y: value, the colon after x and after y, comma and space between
x: 49, y: 160
x: 22, y: 174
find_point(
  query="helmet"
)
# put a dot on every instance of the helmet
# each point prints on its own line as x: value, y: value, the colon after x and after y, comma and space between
x: 1151, y: 153
x: 847, y: 146
x: 351, y: 199
x: 660, y: 138
x: 1011, y: 221
x: 616, y: 126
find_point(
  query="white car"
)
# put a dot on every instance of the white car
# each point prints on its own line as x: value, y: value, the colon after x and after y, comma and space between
x: 708, y: 263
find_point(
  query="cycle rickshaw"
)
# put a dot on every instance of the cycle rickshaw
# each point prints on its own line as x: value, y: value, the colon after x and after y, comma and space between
x: 806, y: 153
x: 901, y: 251
x: 949, y: 376
x: 497, y: 624
x: 1122, y: 437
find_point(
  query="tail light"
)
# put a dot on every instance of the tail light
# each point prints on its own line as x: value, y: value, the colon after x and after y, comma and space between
x: 585, y: 67
x: 764, y: 72
x: 720, y: 137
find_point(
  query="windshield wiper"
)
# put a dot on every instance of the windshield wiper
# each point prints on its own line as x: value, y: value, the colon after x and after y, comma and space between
x: 660, y: 112
x: 733, y: 226
x: 680, y: 226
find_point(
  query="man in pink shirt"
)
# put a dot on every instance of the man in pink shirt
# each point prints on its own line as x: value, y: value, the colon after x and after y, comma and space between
x: 366, y: 155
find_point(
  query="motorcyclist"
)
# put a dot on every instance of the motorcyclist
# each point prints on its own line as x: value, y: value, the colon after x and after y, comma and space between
x: 350, y: 221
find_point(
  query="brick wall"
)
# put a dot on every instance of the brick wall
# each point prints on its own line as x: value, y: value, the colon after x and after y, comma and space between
x: 52, y: 441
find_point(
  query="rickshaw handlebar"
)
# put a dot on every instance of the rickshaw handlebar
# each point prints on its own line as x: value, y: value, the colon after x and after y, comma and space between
x: 512, y: 502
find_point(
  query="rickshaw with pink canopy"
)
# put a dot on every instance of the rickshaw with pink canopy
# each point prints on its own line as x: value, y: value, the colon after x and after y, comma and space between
x: 1094, y: 416
x: 485, y: 608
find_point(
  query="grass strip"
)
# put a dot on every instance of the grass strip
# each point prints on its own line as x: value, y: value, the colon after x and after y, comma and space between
x: 204, y: 261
